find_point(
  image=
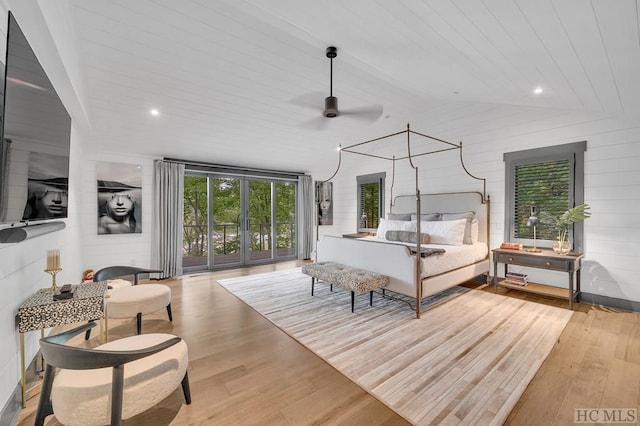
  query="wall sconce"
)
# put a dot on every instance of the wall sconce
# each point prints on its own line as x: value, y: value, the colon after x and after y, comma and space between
x: 533, y: 221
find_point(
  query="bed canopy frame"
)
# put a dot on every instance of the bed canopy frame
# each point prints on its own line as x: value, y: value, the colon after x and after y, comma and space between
x: 443, y: 146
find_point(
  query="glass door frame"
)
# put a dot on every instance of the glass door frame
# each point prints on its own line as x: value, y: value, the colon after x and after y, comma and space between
x: 211, y: 177
x: 245, y: 195
x: 245, y: 236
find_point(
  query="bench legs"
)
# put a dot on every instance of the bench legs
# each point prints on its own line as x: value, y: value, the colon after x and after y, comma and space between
x: 313, y: 281
x: 353, y: 295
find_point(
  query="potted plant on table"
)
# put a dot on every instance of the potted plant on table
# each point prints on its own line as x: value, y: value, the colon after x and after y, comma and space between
x: 562, y: 223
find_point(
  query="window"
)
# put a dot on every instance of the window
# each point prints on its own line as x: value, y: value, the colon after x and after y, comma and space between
x: 552, y: 180
x: 370, y: 201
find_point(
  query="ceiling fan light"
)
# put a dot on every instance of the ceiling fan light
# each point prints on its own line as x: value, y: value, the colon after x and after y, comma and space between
x: 331, y: 107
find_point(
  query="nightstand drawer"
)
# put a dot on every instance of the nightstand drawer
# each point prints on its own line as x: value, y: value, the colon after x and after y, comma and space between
x: 542, y: 262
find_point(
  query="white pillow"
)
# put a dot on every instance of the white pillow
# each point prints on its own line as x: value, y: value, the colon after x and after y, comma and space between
x: 385, y: 225
x: 475, y: 231
x: 399, y: 216
x: 450, y: 232
x: 428, y: 216
x: 470, y: 216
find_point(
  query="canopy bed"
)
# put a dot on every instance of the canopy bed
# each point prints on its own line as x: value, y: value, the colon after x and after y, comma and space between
x: 452, y: 237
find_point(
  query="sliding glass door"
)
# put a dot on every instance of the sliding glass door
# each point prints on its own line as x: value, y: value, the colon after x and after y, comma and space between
x: 247, y: 221
x: 225, y: 221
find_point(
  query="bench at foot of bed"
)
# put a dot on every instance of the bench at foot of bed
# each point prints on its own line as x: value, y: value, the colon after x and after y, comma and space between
x: 353, y: 279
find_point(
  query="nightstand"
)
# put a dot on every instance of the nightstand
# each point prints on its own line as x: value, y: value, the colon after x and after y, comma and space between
x: 546, y: 259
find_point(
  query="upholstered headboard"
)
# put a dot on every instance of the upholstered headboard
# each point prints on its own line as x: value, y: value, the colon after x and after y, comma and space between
x: 448, y: 202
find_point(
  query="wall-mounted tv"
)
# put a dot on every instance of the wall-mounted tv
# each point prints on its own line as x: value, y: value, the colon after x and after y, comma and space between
x: 34, y: 147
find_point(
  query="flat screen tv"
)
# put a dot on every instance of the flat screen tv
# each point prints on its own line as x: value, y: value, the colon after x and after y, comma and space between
x: 34, y: 147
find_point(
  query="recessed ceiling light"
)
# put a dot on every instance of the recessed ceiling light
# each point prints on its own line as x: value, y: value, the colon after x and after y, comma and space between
x: 538, y: 90
x: 154, y: 112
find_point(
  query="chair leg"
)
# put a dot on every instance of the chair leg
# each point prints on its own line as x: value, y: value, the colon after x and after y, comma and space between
x: 44, y: 403
x: 186, y: 391
x: 353, y: 297
x: 139, y: 323
x: 313, y: 281
x: 87, y: 334
x: 117, y: 389
x: 371, y: 298
x: 169, y: 312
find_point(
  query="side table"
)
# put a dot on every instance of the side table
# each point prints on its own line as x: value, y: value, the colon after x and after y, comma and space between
x: 546, y: 259
x: 41, y: 311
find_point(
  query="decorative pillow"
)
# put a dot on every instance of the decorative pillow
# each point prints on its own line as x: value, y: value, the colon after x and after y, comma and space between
x: 475, y: 231
x: 428, y: 217
x: 398, y: 216
x: 449, y: 232
x: 406, y: 237
x: 385, y: 225
x: 470, y: 216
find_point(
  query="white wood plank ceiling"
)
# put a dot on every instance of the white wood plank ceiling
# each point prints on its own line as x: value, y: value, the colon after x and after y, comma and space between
x: 228, y: 77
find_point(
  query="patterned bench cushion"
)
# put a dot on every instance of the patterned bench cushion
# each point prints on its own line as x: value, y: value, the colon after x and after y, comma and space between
x: 353, y: 279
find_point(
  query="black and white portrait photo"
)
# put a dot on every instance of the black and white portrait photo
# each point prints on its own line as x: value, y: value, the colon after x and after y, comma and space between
x: 119, y: 198
x: 47, y: 187
x: 324, y: 201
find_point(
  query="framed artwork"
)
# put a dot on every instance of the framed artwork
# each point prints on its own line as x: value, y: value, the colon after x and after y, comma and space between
x: 324, y: 202
x: 47, y: 189
x: 119, y: 198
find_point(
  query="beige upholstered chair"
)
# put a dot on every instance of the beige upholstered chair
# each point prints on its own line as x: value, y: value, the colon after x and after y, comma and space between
x: 133, y: 301
x: 111, y: 382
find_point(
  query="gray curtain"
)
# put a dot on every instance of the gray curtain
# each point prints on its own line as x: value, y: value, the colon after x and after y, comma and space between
x: 305, y: 216
x: 168, y: 199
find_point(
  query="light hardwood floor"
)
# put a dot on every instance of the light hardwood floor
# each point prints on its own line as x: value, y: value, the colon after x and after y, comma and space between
x: 243, y: 370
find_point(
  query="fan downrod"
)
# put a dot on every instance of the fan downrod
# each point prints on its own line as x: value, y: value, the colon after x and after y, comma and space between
x: 331, y: 102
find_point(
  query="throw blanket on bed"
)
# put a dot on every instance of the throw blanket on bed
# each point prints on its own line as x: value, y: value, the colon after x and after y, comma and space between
x: 427, y: 251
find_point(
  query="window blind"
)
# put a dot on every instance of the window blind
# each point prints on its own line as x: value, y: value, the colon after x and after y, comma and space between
x: 545, y: 185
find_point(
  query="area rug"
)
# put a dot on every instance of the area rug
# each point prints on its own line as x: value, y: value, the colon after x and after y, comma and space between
x: 467, y: 360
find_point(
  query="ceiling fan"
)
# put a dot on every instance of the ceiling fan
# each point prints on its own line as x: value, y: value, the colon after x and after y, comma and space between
x: 368, y: 113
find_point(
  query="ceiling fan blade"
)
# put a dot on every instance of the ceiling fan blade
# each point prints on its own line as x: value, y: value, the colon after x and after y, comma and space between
x: 309, y: 100
x: 318, y: 123
x: 371, y: 113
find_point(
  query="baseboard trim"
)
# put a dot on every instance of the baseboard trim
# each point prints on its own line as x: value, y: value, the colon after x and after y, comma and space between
x: 611, y: 302
x: 13, y: 407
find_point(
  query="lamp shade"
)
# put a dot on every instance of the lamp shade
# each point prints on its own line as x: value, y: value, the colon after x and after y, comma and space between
x: 533, y: 216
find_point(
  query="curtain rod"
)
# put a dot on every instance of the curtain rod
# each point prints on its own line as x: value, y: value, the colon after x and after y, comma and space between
x: 229, y: 167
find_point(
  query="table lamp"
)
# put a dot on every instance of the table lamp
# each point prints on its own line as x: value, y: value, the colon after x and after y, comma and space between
x: 533, y: 221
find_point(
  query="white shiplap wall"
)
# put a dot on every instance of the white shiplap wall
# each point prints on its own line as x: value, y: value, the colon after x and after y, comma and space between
x: 124, y: 249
